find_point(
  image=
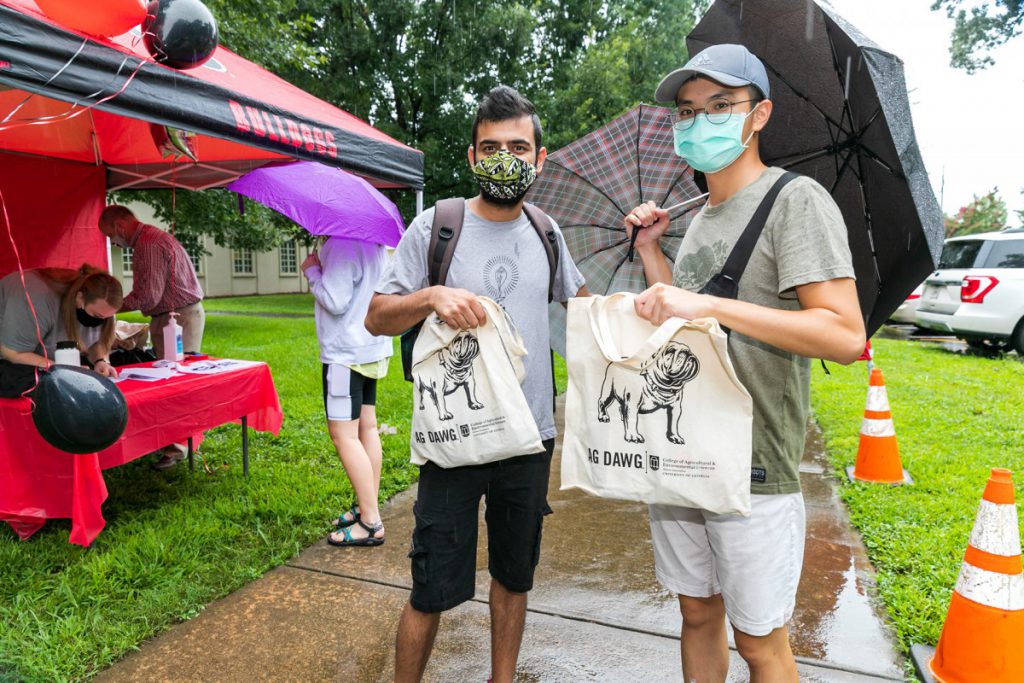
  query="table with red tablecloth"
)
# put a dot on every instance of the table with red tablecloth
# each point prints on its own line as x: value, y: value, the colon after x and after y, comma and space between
x: 39, y: 482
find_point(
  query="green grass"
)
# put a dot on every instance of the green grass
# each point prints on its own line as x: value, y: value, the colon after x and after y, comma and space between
x: 175, y: 541
x: 561, y: 375
x: 956, y: 417
x: 295, y: 304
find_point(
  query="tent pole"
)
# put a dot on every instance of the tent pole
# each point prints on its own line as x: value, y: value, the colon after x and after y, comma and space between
x: 110, y: 257
x: 419, y: 202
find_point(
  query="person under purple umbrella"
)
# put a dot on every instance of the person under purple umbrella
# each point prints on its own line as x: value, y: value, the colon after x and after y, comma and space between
x: 342, y: 279
x: 359, y: 222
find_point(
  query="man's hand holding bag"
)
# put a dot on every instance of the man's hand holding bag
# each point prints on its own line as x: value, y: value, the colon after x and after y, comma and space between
x: 468, y: 405
x: 654, y: 413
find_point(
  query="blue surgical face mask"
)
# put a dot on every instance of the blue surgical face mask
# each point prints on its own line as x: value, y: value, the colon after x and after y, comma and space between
x: 710, y: 147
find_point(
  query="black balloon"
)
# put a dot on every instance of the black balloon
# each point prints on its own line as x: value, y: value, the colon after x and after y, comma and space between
x: 181, y: 34
x: 77, y: 410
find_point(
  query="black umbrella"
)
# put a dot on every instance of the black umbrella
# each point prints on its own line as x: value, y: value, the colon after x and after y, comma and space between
x: 841, y: 116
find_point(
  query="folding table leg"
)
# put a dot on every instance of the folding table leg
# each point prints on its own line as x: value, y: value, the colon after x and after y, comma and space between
x: 191, y: 450
x: 245, y: 445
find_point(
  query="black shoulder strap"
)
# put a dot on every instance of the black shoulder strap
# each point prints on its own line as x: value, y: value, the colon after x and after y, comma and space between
x: 444, y: 235
x: 726, y: 282
x: 546, y: 231
x: 740, y: 255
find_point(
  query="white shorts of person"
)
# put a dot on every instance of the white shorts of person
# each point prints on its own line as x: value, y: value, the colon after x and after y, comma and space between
x: 754, y: 562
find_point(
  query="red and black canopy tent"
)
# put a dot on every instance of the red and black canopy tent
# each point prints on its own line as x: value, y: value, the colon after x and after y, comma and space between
x: 83, y: 128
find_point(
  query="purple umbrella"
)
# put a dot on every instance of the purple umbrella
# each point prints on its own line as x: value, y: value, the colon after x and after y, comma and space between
x: 325, y: 201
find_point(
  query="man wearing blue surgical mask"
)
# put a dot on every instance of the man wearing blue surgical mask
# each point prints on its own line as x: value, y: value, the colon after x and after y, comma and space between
x: 793, y: 299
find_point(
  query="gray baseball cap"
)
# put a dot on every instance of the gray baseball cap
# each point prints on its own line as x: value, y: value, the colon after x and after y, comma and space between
x: 729, y: 64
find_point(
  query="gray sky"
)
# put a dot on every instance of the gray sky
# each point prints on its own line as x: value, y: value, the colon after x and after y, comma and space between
x: 968, y: 126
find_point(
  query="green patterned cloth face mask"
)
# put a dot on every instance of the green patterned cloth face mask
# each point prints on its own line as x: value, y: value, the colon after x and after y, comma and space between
x: 503, y: 177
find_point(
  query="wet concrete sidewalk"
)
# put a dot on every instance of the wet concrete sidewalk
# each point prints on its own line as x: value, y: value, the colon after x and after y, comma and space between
x: 596, y: 613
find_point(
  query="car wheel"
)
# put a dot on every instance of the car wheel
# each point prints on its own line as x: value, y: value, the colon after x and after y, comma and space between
x: 1018, y: 338
x: 985, y: 345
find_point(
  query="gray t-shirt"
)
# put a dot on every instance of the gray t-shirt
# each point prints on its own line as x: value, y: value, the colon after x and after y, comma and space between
x: 804, y: 241
x: 17, y: 327
x: 505, y: 261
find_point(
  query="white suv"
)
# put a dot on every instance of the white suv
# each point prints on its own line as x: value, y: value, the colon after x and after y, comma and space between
x: 978, y: 291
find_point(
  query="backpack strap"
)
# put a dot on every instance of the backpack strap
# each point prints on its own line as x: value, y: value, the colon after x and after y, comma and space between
x: 449, y: 215
x: 444, y: 235
x: 546, y: 231
x: 726, y: 282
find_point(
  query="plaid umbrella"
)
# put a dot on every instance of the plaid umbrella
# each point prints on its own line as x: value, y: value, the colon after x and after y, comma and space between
x: 590, y: 185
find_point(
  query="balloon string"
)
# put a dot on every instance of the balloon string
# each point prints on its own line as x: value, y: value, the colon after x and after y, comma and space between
x: 31, y: 306
x: 48, y: 81
x: 66, y: 116
x: 74, y: 112
x: 71, y: 60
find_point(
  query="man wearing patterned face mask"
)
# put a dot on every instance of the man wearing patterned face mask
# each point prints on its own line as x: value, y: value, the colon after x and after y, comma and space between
x: 499, y: 254
x: 504, y: 178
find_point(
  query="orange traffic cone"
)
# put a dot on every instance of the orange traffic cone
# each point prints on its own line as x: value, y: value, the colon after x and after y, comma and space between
x: 878, y: 457
x: 983, y: 637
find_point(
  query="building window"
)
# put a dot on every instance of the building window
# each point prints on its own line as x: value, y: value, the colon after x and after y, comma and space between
x: 289, y: 258
x: 126, y: 260
x: 242, y: 261
x: 197, y: 263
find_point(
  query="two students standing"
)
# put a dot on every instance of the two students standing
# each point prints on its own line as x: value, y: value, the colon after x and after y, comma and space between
x: 796, y: 300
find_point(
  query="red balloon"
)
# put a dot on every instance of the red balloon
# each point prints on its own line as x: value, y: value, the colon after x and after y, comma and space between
x: 98, y: 18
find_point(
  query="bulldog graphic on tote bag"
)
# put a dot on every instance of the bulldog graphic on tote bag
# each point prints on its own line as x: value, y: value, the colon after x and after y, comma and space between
x: 469, y: 407
x: 654, y: 413
x: 658, y: 385
x: 454, y: 370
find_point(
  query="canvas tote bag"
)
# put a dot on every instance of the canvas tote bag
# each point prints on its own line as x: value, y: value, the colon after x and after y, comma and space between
x: 468, y: 405
x: 654, y: 413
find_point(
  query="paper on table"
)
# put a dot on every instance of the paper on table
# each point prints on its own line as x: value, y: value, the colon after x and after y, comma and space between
x: 211, y: 367
x: 147, y: 374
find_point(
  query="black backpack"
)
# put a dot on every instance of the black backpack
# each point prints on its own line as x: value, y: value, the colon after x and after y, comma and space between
x: 444, y: 235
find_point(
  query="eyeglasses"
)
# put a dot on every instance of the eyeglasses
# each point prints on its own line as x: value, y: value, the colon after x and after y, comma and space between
x: 716, y: 111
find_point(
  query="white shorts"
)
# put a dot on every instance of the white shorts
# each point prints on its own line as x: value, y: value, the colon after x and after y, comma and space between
x: 754, y: 562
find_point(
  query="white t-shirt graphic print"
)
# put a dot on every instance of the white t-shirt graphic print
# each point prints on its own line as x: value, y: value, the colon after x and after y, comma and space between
x: 505, y: 261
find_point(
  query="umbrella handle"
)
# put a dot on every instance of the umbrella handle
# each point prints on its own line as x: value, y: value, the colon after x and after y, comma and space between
x: 632, y: 242
x: 686, y: 202
x: 670, y: 209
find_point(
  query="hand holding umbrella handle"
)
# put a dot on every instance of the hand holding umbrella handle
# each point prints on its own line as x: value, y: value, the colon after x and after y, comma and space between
x: 312, y: 259
x: 670, y: 209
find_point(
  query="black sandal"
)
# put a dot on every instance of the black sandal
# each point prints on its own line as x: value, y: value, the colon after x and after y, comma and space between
x: 371, y: 540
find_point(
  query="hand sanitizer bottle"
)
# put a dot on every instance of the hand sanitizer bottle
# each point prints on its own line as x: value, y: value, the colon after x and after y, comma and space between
x: 173, y: 347
x: 67, y: 354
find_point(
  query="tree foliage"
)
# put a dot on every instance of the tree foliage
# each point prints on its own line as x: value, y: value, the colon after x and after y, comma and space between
x: 416, y: 68
x: 979, y: 28
x: 982, y: 214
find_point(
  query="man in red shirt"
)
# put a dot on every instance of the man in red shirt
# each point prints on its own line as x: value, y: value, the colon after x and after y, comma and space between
x: 164, y: 282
